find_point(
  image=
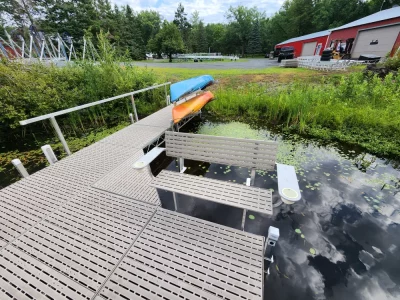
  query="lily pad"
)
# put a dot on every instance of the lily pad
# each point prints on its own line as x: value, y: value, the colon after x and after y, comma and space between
x: 312, y: 251
x: 298, y: 231
x: 302, y: 236
x: 251, y: 217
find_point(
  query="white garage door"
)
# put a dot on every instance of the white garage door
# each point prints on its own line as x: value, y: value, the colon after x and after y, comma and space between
x: 308, y: 49
x: 377, y: 41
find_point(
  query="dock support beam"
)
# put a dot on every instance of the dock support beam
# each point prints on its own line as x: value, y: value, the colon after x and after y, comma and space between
x: 20, y: 168
x: 48, y: 152
x: 134, y: 108
x: 60, y: 135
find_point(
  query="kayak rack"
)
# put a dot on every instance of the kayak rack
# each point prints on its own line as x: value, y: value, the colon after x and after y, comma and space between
x: 176, y: 127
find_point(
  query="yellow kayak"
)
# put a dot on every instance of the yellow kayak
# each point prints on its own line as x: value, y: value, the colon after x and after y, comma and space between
x: 191, y: 106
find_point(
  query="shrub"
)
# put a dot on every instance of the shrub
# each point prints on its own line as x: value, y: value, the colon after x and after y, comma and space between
x: 393, y: 63
x: 28, y: 91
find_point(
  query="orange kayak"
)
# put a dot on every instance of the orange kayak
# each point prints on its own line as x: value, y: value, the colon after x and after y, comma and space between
x: 191, y: 106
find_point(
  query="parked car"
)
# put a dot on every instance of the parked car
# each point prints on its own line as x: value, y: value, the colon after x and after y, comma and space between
x: 286, y: 53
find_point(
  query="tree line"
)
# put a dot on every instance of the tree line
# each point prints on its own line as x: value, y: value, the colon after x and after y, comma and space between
x: 242, y: 30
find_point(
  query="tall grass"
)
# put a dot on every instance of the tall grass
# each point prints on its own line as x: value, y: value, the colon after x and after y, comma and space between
x: 28, y: 91
x: 354, y: 109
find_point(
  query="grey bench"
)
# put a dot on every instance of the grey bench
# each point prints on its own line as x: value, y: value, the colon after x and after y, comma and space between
x: 252, y: 154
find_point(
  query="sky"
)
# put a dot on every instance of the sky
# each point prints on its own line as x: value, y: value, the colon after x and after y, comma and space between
x: 211, y: 11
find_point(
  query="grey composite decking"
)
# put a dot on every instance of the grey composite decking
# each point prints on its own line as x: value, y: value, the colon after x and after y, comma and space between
x: 181, y: 257
x: 130, y: 182
x: 228, y: 193
x: 88, y: 227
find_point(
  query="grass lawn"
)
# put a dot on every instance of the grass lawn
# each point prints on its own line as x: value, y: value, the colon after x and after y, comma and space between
x: 233, y: 77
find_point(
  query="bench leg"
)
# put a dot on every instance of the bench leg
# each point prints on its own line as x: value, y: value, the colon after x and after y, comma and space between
x: 176, y: 207
x: 243, y: 218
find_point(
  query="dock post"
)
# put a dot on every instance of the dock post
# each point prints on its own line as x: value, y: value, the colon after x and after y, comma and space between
x: 134, y: 108
x: 48, y: 152
x: 176, y: 206
x: 131, y: 118
x: 272, y: 239
x: 20, y: 167
x: 60, y: 135
x: 166, y: 94
x: 253, y: 176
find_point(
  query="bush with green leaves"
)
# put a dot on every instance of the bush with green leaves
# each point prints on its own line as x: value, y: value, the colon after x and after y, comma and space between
x: 393, y: 63
x: 27, y: 91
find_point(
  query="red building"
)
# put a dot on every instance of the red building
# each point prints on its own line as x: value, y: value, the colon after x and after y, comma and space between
x: 375, y: 34
x: 306, y: 45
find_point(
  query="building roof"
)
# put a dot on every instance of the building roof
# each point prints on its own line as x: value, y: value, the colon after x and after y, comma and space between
x: 307, y: 37
x: 376, y: 17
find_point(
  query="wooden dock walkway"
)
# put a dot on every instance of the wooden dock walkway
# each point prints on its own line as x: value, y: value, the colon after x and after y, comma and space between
x: 91, y: 227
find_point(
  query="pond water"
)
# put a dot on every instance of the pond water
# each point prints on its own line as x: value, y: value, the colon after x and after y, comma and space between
x: 341, y: 241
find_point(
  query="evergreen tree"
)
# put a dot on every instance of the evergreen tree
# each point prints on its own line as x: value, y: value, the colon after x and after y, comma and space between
x: 182, y: 23
x: 69, y: 17
x: 21, y: 12
x: 255, y: 39
x: 241, y: 19
x: 193, y: 42
x: 202, y: 38
x: 131, y: 38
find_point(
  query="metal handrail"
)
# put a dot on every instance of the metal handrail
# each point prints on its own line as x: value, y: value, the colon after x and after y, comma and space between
x: 57, y: 129
x: 68, y: 110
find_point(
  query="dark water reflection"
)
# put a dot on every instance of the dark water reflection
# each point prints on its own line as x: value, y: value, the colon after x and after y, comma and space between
x: 349, y: 216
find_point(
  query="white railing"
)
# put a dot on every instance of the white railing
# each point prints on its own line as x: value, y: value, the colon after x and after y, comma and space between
x: 54, y: 123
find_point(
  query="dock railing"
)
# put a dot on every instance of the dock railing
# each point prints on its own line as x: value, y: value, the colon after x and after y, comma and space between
x: 52, y: 116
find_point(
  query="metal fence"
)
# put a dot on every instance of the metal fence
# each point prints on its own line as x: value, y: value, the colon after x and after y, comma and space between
x: 52, y: 116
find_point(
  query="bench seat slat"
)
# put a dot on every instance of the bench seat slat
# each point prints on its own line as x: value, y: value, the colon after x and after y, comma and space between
x: 230, y: 150
x: 233, y: 194
x: 226, y: 159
